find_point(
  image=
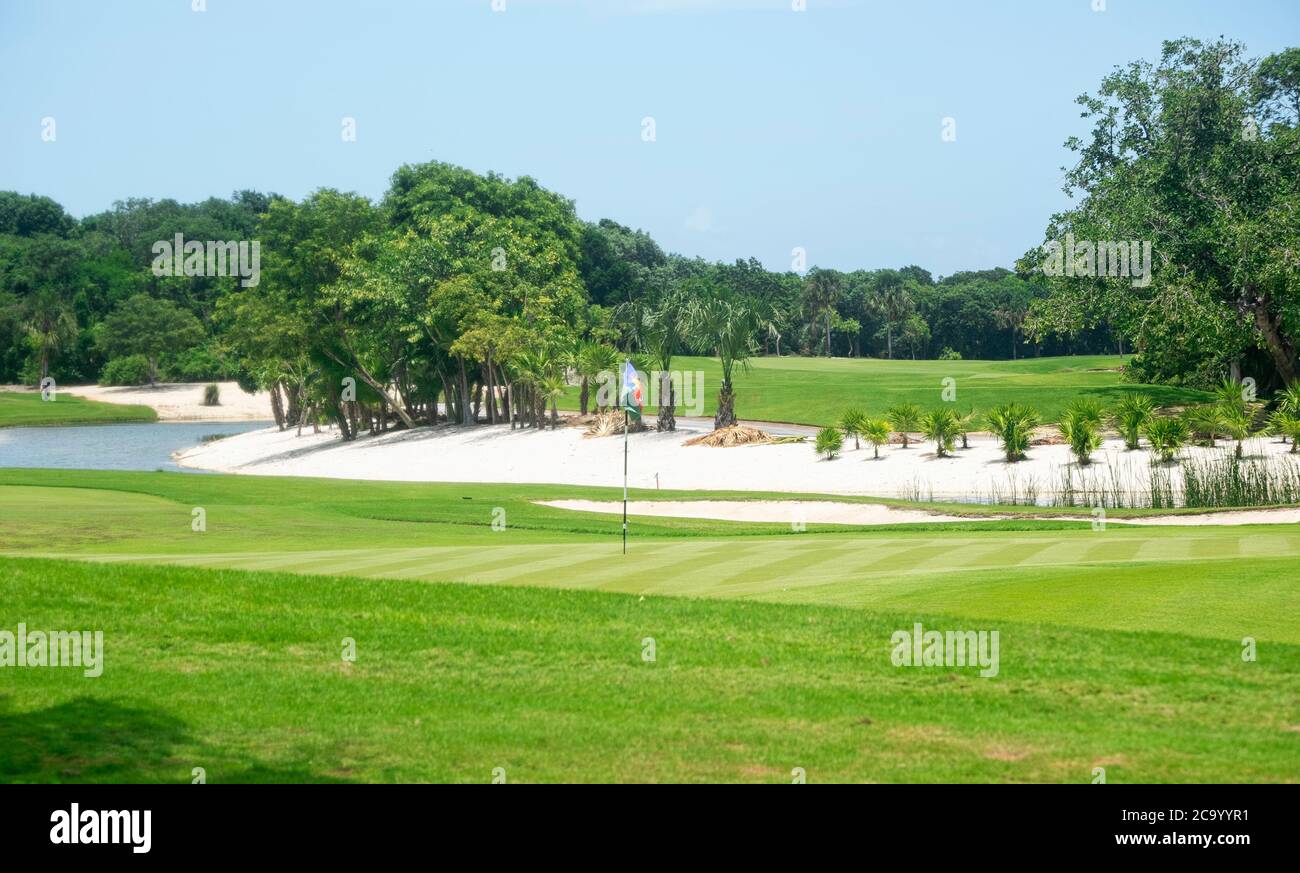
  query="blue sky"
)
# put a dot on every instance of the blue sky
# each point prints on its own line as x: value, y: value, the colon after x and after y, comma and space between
x: 774, y: 128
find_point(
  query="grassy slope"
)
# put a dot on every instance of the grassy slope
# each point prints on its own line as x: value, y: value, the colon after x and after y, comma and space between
x: 1192, y: 580
x: 817, y: 390
x: 1119, y: 648
x: 26, y: 410
x: 452, y: 681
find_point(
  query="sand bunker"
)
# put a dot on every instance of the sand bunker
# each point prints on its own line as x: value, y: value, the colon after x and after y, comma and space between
x: 829, y: 512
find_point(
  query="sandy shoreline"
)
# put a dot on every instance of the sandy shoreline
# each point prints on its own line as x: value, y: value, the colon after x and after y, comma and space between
x: 183, y: 401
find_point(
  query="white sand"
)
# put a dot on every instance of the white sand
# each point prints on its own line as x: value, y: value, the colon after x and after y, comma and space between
x: 183, y: 401
x: 497, y: 454
x: 830, y: 512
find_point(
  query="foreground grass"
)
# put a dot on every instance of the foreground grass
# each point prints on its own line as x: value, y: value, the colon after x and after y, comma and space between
x: 29, y: 410
x: 817, y: 390
x: 1226, y: 582
x: 242, y: 674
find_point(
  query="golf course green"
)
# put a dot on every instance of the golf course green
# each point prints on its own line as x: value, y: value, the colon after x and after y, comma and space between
x: 1121, y: 648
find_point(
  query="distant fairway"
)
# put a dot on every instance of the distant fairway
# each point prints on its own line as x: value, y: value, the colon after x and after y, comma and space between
x: 817, y: 390
x: 1120, y: 648
x: 23, y: 410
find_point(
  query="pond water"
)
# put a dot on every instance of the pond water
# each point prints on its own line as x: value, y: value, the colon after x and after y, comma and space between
x: 112, y: 446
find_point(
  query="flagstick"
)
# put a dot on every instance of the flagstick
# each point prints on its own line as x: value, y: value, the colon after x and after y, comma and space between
x: 625, y: 481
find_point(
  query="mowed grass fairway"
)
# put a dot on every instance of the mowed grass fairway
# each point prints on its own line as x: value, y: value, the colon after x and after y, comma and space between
x: 817, y: 390
x: 19, y: 409
x: 1119, y: 648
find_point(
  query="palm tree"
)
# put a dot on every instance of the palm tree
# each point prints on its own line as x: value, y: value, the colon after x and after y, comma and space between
x: 905, y: 417
x: 1288, y: 404
x: 1081, y: 428
x: 1010, y: 317
x: 876, y: 432
x: 1131, y: 416
x: 588, y: 359
x: 966, y: 424
x: 51, y: 326
x: 725, y: 323
x: 532, y: 368
x: 552, y: 389
x: 828, y: 443
x: 893, y: 302
x: 1286, y: 424
x: 1167, y: 436
x: 1207, y: 420
x: 852, y: 422
x: 1014, y: 425
x: 1237, y: 422
x: 821, y: 291
x: 660, y: 331
x: 942, y: 426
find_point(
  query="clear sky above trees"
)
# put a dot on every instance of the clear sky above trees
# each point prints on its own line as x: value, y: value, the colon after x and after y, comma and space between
x: 774, y: 129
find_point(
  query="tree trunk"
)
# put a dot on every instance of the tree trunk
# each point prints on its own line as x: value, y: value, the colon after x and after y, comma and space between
x: 277, y: 405
x: 726, y: 416
x: 667, y: 411
x: 464, y: 394
x: 1279, y: 347
x: 582, y: 397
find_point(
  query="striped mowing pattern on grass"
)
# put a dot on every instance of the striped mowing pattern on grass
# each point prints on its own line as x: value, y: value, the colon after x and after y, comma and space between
x: 1192, y: 583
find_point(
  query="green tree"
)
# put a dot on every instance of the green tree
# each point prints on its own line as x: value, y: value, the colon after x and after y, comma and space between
x: 143, y: 325
x: 725, y: 324
x: 1178, y: 158
x: 51, y: 326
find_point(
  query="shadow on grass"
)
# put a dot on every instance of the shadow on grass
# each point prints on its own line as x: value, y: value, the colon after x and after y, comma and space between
x: 90, y: 740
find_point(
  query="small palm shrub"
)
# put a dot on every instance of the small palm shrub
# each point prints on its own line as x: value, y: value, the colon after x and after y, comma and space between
x: 1286, y: 425
x: 852, y: 422
x: 1236, y: 422
x: 1081, y: 427
x: 942, y: 426
x: 905, y: 417
x: 1204, y: 422
x: 966, y: 424
x: 1013, y: 424
x: 1131, y: 416
x: 212, y: 395
x: 1288, y: 406
x: 876, y: 432
x: 1167, y: 436
x: 829, y: 442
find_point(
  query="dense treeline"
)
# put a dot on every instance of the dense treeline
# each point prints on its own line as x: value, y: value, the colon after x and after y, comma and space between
x: 481, y: 297
x: 478, y: 296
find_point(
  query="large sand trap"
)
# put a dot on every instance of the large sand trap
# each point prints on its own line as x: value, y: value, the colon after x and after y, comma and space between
x: 830, y: 512
x: 183, y: 401
x: 495, y: 453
